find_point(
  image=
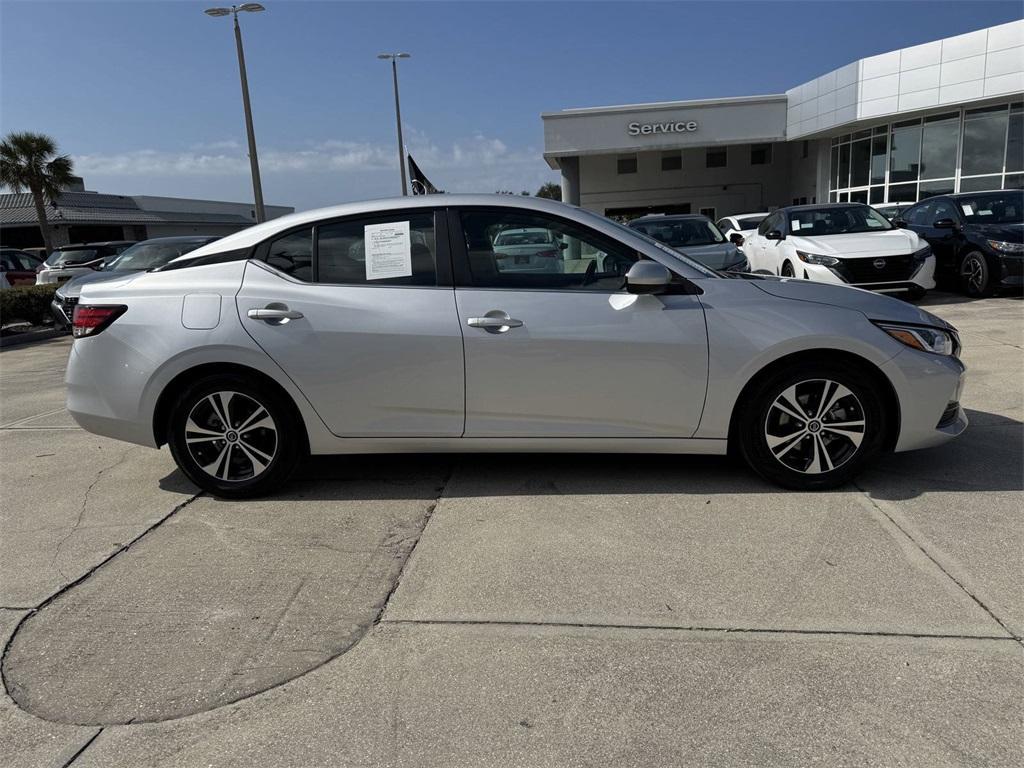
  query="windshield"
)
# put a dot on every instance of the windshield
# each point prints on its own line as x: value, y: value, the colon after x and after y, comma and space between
x: 813, y: 222
x: 650, y: 240
x: 750, y: 222
x: 993, y: 208
x: 75, y: 255
x: 682, y: 233
x: 150, y: 255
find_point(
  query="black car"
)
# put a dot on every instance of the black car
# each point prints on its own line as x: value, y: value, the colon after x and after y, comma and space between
x: 977, y: 238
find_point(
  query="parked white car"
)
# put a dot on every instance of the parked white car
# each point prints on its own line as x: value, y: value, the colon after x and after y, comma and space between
x: 71, y: 261
x: 844, y: 244
x: 744, y: 224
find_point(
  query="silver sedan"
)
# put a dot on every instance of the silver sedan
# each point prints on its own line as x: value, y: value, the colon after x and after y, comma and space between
x: 396, y: 326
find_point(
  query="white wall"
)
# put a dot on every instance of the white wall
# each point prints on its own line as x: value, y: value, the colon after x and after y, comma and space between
x: 976, y: 66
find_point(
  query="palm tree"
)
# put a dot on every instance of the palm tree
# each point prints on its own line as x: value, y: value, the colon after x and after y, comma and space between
x: 30, y: 161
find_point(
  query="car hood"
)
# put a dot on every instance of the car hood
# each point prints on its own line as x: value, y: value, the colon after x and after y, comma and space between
x: 1008, y: 233
x: 875, y: 306
x: 73, y: 288
x: 885, y: 243
x: 716, y: 256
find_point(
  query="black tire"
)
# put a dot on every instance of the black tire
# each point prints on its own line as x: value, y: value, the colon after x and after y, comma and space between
x: 975, y: 274
x: 847, y: 454
x: 242, y: 468
x: 917, y: 293
x: 787, y: 270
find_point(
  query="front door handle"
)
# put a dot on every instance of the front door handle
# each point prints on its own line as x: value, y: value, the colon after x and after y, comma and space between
x: 494, y: 321
x: 274, y: 313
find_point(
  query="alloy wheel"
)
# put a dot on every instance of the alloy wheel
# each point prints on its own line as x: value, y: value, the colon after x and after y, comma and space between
x: 815, y: 426
x: 972, y: 271
x: 231, y: 436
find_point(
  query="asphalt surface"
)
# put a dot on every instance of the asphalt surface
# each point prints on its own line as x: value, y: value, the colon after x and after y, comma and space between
x: 514, y: 610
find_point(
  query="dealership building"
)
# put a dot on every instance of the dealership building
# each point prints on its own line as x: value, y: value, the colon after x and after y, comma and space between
x: 945, y: 116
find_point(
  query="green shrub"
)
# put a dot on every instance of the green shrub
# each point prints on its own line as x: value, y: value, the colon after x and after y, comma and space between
x: 30, y: 303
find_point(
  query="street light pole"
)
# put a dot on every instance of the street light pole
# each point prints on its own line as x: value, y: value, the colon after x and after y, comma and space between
x: 398, y: 112
x: 254, y: 163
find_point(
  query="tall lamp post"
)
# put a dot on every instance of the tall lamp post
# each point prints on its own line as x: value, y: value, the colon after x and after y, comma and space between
x: 394, y: 57
x: 254, y: 163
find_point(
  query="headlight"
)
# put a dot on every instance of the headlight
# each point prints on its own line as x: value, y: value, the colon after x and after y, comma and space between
x: 1004, y: 247
x: 923, y: 254
x: 821, y: 261
x: 932, y: 340
x: 59, y: 296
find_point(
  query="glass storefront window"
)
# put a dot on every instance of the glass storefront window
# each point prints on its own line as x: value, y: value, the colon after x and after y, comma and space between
x: 1015, y: 139
x: 876, y: 195
x: 835, y: 167
x: 938, y: 147
x: 859, y: 196
x: 984, y: 141
x: 860, y: 163
x: 981, y: 183
x: 932, y: 188
x: 1014, y: 181
x: 878, y: 154
x: 905, y: 152
x: 844, y: 166
x: 903, y: 193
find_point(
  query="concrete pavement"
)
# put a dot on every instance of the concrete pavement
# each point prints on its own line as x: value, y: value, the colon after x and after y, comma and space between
x: 555, y: 610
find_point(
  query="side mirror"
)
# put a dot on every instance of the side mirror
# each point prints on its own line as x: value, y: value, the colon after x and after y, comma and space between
x: 945, y: 224
x: 648, y: 277
x: 774, y: 235
x: 736, y: 238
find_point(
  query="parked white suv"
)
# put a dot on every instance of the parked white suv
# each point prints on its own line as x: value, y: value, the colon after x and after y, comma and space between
x: 842, y: 243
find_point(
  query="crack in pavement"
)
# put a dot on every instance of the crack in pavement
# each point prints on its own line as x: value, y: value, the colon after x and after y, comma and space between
x: 85, y: 504
x: 698, y: 628
x: 903, y: 528
x: 82, y: 749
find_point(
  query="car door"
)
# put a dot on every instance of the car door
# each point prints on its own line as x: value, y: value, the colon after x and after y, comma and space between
x: 568, y: 352
x: 360, y: 313
x: 768, y: 254
x: 946, y: 241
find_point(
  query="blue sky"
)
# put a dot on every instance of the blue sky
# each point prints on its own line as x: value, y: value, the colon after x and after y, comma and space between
x: 145, y: 95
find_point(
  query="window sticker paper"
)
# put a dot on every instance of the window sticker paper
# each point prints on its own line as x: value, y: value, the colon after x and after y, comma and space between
x: 388, y: 250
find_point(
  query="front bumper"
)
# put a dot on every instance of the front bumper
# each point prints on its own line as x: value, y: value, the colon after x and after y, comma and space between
x: 913, y: 275
x: 928, y: 388
x: 1011, y: 271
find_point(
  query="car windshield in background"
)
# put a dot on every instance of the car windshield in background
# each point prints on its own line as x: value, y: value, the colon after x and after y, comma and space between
x: 77, y: 255
x: 145, y: 256
x: 750, y: 222
x: 993, y: 208
x: 812, y: 222
x: 681, y: 233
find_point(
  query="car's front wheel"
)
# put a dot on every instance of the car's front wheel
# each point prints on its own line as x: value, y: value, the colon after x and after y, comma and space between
x: 233, y: 436
x: 976, y: 275
x: 812, y: 427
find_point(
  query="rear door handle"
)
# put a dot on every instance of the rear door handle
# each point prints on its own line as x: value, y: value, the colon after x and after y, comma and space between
x: 274, y: 313
x: 495, y: 321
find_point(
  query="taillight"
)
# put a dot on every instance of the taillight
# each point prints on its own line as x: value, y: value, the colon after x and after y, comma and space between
x: 88, y: 320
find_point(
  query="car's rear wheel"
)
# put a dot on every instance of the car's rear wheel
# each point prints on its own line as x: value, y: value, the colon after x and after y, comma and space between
x: 812, y: 427
x: 976, y: 275
x: 234, y: 437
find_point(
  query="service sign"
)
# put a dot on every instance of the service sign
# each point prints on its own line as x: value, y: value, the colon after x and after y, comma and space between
x: 675, y: 126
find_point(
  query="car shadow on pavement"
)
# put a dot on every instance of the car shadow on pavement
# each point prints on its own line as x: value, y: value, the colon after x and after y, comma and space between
x: 987, y: 457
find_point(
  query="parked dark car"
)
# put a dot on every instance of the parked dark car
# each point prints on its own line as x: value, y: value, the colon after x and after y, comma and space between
x: 19, y: 268
x: 977, y: 238
x: 695, y: 236
x: 140, y: 257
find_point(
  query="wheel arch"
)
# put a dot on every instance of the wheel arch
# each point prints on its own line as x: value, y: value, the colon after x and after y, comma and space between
x: 890, y: 400
x: 162, y: 410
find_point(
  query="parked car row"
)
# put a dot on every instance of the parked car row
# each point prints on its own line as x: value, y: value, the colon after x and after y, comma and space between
x: 973, y: 240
